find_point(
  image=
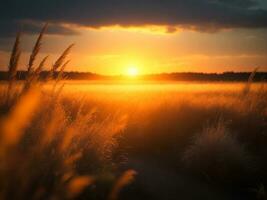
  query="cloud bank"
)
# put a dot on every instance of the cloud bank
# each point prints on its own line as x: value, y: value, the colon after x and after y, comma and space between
x: 200, y: 15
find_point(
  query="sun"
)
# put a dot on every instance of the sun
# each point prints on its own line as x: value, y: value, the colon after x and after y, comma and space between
x: 132, y: 71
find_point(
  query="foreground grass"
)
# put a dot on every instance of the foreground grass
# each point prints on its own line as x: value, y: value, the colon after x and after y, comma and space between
x: 78, y: 145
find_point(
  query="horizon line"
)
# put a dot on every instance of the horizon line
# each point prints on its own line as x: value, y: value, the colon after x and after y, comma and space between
x: 147, y: 74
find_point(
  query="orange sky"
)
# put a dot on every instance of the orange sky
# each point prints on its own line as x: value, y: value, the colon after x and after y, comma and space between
x: 152, y: 36
x: 112, y: 50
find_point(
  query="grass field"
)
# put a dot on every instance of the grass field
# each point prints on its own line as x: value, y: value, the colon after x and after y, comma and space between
x: 94, y: 140
x: 128, y: 139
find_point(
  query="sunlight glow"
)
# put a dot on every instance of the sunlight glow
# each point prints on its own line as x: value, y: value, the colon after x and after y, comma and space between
x: 132, y: 71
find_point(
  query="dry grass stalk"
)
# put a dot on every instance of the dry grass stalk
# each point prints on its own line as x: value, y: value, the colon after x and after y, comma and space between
x: 36, y: 49
x: 14, y: 59
x: 34, y: 76
x: 78, y: 184
x: 13, y: 66
x: 60, y: 60
x: 61, y: 71
x: 125, y: 179
x: 40, y: 67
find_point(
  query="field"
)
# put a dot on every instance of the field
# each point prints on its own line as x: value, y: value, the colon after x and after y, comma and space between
x: 130, y: 138
x: 161, y: 140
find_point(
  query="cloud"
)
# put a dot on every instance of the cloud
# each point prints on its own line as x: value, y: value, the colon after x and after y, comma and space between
x: 200, y: 15
x: 238, y: 3
x: 11, y: 27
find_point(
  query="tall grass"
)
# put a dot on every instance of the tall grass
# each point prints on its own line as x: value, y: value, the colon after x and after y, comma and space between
x: 42, y: 144
x: 13, y: 65
x: 36, y: 49
x: 218, y: 155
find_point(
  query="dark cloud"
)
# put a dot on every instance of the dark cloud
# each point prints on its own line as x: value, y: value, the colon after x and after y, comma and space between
x: 11, y: 27
x: 238, y: 3
x: 201, y: 15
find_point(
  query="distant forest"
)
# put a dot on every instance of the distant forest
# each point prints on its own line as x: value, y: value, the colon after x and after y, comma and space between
x: 183, y: 76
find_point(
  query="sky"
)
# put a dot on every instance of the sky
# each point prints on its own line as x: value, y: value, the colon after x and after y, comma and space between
x: 154, y: 36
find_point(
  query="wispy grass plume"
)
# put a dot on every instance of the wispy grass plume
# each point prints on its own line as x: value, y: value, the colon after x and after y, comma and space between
x: 36, y: 49
x: 13, y: 65
x: 61, y: 59
x: 14, y: 59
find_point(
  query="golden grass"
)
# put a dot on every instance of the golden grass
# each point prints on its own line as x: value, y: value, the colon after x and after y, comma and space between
x: 125, y: 179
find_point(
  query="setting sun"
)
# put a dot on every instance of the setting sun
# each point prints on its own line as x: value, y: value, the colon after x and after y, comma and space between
x: 132, y: 71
